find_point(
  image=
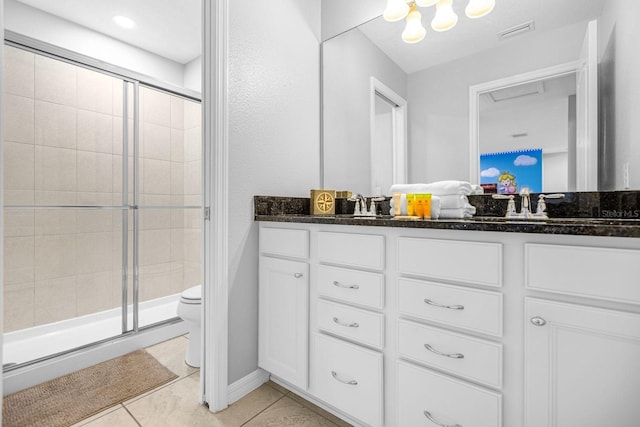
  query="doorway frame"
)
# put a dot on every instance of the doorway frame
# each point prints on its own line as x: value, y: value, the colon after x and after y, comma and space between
x: 214, y: 371
x: 475, y: 91
x: 399, y: 130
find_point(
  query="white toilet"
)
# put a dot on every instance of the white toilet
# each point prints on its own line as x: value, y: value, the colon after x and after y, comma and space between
x: 189, y: 309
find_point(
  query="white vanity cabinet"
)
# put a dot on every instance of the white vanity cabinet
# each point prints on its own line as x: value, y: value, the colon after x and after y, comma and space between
x: 403, y: 327
x: 447, y: 293
x: 283, y: 347
x: 582, y: 363
x: 348, y: 364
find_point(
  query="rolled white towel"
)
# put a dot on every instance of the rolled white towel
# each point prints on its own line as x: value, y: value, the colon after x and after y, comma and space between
x: 477, y: 189
x: 453, y: 201
x: 465, y: 212
x: 439, y: 188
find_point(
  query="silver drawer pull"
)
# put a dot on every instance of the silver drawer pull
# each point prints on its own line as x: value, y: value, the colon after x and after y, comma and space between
x: 439, y: 353
x: 340, y: 285
x: 348, y: 325
x: 335, y: 376
x: 450, y: 307
x: 297, y: 275
x: 433, y: 420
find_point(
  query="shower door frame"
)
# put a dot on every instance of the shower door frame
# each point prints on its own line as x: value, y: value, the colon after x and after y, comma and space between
x: 130, y: 79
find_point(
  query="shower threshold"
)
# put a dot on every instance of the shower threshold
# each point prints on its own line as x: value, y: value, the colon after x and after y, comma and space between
x: 26, y: 345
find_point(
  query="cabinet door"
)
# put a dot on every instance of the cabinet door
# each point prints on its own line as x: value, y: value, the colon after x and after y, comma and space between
x: 581, y: 366
x: 284, y: 319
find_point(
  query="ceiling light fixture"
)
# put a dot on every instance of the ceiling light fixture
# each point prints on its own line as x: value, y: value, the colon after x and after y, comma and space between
x: 414, y: 32
x: 123, y: 21
x: 444, y: 19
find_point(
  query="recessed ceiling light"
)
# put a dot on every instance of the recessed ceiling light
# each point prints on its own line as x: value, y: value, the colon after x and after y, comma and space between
x: 123, y: 21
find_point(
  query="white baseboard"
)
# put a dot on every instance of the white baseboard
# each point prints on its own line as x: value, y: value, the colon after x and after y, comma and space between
x: 247, y: 384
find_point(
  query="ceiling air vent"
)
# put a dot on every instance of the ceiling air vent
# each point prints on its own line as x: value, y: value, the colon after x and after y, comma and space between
x: 518, y: 91
x: 517, y: 30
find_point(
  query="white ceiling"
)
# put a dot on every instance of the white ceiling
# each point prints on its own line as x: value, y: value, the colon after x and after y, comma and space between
x: 474, y: 35
x: 169, y: 28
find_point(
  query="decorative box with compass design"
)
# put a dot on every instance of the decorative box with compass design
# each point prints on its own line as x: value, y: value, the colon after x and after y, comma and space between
x: 323, y: 202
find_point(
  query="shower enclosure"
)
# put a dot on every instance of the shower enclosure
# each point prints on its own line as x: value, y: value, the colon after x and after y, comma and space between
x: 102, y: 204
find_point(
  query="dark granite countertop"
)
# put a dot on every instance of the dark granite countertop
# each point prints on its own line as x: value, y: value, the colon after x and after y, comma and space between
x: 612, y: 224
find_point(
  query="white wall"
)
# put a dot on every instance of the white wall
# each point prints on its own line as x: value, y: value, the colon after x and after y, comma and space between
x: 193, y: 75
x: 39, y: 25
x: 618, y: 30
x: 545, y: 121
x: 347, y: 158
x: 341, y: 15
x: 273, y: 140
x: 438, y: 98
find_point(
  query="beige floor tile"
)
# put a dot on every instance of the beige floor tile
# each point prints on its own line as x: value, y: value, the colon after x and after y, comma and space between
x: 287, y: 412
x: 278, y: 387
x: 238, y: 413
x: 116, y: 416
x: 318, y: 410
x: 171, y: 354
x: 175, y: 405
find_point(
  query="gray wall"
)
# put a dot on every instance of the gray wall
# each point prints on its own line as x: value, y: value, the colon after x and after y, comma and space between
x: 618, y: 42
x: 346, y: 109
x: 274, y: 123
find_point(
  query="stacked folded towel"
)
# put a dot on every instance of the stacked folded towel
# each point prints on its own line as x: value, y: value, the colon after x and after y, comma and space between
x: 448, y: 198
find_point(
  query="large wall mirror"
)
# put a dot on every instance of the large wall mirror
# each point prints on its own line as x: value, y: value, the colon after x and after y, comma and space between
x: 528, y: 86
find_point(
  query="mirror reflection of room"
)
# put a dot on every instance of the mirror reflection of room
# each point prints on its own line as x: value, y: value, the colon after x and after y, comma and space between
x: 437, y: 72
x: 528, y: 136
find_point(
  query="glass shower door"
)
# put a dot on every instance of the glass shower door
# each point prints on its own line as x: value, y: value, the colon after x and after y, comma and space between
x: 102, y: 205
x: 63, y: 212
x: 169, y: 202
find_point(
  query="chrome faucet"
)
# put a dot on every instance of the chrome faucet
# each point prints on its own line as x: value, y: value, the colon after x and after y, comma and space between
x: 525, y: 204
x: 360, y: 208
x: 541, y: 209
x: 361, y: 205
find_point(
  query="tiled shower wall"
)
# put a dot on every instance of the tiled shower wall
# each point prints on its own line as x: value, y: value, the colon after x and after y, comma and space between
x: 63, y: 146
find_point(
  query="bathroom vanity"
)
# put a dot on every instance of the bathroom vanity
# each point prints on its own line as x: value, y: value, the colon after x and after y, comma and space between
x: 461, y: 322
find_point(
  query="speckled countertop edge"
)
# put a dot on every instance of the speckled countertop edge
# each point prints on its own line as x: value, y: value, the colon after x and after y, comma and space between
x: 470, y: 224
x: 296, y: 210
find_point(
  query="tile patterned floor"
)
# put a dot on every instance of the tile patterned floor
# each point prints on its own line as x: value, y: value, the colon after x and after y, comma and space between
x: 176, y: 404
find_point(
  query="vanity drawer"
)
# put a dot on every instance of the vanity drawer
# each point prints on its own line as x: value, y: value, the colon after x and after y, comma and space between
x: 353, y: 323
x: 359, y: 287
x: 349, y: 377
x: 472, y: 309
x: 472, y: 358
x: 352, y: 250
x: 284, y: 242
x: 423, y: 393
x: 466, y: 262
x: 603, y: 273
